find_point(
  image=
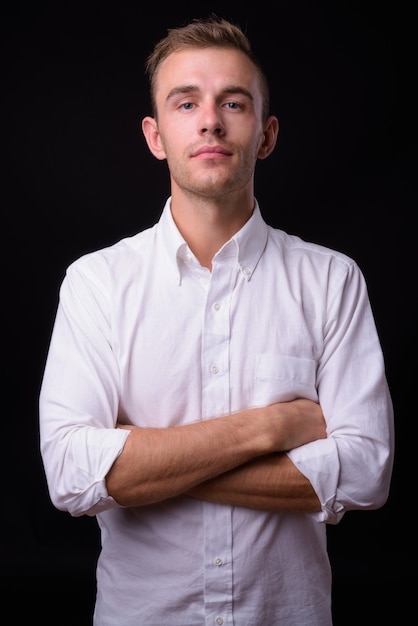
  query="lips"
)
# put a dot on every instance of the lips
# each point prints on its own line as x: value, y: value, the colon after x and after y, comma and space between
x: 211, y: 152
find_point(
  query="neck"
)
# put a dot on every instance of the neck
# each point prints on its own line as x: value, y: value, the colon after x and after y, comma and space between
x: 207, y: 223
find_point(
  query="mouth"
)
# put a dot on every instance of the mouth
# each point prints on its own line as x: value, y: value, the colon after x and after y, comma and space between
x: 211, y: 152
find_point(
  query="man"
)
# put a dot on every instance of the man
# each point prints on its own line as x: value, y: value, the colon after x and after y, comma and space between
x: 215, y: 390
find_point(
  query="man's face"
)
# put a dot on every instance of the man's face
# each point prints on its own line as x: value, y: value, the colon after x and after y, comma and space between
x: 210, y: 128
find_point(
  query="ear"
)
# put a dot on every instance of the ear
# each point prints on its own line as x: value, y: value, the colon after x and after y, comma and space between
x: 270, y: 134
x: 152, y: 137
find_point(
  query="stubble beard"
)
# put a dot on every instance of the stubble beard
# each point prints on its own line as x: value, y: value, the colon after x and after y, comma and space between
x: 213, y: 183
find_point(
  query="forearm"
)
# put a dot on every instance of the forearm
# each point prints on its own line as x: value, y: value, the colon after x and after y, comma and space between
x: 157, y: 464
x: 271, y: 482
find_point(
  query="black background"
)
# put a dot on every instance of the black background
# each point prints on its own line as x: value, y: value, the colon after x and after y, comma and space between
x: 78, y: 176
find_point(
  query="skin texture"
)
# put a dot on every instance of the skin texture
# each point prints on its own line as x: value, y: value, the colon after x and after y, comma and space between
x: 207, y: 100
x: 210, y: 130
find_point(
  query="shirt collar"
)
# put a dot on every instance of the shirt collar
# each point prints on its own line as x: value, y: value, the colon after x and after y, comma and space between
x: 247, y: 245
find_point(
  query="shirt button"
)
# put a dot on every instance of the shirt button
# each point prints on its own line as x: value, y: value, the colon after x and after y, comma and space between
x: 214, y: 369
x: 216, y: 306
x: 247, y: 271
x: 218, y: 561
x: 219, y: 621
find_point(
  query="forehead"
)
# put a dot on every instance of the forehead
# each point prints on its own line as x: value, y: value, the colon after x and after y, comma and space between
x: 214, y: 68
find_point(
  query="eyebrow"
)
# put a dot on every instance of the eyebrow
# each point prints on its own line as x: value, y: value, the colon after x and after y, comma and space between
x: 188, y: 89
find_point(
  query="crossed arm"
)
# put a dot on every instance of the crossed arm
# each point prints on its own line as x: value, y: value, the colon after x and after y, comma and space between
x: 238, y: 459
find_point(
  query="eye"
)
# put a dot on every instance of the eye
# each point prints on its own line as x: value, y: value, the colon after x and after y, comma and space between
x: 233, y: 105
x: 186, y: 105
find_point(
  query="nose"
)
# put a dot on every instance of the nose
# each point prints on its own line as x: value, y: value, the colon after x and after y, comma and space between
x: 211, y: 120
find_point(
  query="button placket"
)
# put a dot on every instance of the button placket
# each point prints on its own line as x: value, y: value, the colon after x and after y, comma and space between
x: 216, y: 401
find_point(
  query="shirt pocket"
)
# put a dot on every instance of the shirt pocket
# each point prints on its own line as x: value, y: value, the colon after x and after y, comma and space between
x: 280, y: 378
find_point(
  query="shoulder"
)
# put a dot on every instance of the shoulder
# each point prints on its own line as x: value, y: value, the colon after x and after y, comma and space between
x: 315, y: 267
x: 121, y: 254
x: 294, y: 247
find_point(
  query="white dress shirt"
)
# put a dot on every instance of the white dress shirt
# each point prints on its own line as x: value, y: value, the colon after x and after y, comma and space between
x: 145, y: 335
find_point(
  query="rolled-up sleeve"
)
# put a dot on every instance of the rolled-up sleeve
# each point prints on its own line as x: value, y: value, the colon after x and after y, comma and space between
x: 79, y: 398
x: 352, y: 468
